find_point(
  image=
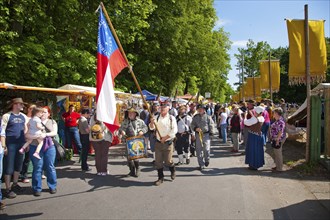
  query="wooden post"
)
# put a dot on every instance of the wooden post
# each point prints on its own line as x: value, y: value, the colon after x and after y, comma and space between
x: 308, y: 84
x: 254, y: 88
x: 270, y: 79
x: 124, y: 55
x: 327, y: 125
x: 240, y: 83
x: 243, y: 96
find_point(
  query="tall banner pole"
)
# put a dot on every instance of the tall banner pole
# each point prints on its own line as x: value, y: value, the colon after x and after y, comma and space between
x: 243, y: 95
x: 254, y: 88
x: 270, y: 78
x: 124, y: 55
x: 308, y: 84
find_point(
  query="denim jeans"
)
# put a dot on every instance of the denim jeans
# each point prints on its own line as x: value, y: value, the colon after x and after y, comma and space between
x: 61, y: 135
x: 264, y: 130
x: 72, y: 133
x: 1, y: 158
x: 223, y: 129
x: 13, y: 161
x: 84, y: 138
x: 25, y: 167
x: 45, y: 163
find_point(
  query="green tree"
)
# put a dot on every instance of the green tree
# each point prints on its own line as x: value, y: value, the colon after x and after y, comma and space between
x: 170, y: 44
x: 249, y: 58
x: 51, y: 43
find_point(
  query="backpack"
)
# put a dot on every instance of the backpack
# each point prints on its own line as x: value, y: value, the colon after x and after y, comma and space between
x: 97, y: 131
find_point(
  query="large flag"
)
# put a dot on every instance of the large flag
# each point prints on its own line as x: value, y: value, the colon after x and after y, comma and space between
x: 252, y: 87
x: 110, y: 62
x: 317, y: 48
x: 275, y: 74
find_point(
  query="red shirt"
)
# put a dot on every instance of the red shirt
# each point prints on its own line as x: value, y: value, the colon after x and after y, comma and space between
x: 70, y: 119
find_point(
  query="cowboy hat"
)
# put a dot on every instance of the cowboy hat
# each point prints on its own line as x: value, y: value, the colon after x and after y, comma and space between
x: 132, y: 109
x: 165, y: 103
x: 14, y: 101
x: 183, y: 107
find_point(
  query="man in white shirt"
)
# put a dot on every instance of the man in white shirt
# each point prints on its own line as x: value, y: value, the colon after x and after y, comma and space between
x: 166, y: 130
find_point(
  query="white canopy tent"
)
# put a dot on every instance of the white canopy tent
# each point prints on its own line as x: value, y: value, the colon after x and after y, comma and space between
x: 301, y: 111
x: 118, y: 94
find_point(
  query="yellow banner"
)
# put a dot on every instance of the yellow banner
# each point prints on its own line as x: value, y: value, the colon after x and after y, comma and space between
x: 235, y: 97
x: 317, y: 48
x: 252, y: 89
x: 275, y: 74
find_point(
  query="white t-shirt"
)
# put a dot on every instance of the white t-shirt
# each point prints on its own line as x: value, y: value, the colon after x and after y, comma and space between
x: 223, y: 118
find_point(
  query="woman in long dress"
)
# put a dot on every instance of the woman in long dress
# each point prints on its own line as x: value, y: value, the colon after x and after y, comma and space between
x: 254, y: 152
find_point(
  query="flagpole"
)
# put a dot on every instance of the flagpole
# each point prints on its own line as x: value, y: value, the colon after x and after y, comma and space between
x: 308, y: 83
x: 243, y: 95
x: 270, y: 78
x: 124, y: 55
x: 254, y: 89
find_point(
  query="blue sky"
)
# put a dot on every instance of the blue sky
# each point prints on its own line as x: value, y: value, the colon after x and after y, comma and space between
x: 264, y: 21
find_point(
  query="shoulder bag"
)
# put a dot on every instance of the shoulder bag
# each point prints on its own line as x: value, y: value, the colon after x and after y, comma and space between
x: 60, y: 149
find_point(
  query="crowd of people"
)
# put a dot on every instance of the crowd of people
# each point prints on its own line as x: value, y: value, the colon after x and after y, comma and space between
x: 167, y: 128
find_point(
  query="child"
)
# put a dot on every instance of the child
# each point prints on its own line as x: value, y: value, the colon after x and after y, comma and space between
x: 34, y: 132
x: 235, y: 129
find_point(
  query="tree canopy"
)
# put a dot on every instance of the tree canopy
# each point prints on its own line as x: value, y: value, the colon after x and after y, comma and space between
x: 171, y: 45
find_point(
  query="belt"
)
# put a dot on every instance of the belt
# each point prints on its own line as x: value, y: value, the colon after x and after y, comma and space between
x: 169, y: 142
x: 182, y: 133
x: 206, y: 132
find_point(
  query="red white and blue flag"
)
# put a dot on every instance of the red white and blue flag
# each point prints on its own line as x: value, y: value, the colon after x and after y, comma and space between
x: 110, y: 62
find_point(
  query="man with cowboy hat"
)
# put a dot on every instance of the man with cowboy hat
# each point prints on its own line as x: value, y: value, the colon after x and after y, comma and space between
x: 166, y: 131
x: 203, y: 126
x: 13, y: 128
x: 183, y: 136
x: 130, y: 127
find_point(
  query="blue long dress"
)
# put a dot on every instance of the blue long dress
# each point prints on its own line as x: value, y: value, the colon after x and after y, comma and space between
x: 254, y: 152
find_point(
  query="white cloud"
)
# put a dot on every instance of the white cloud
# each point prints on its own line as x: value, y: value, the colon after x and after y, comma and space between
x: 221, y: 22
x: 240, y: 43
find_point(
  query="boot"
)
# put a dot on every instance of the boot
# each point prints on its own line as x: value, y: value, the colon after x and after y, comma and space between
x: 160, y: 177
x: 180, y: 156
x: 131, y: 168
x: 173, y: 175
x: 137, y: 168
x: 187, y: 155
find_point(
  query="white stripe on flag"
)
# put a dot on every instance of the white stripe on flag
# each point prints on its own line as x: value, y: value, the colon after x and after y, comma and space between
x: 106, y: 103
